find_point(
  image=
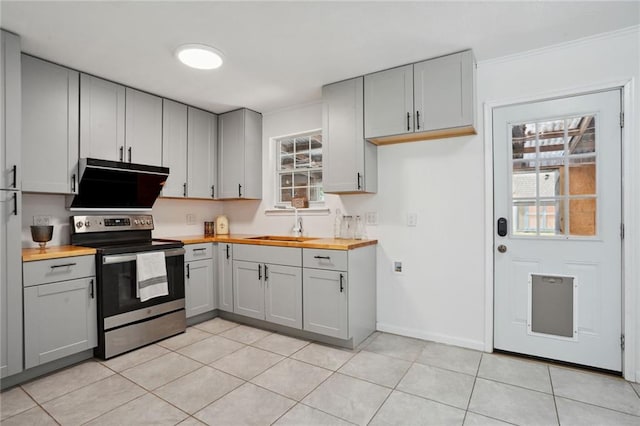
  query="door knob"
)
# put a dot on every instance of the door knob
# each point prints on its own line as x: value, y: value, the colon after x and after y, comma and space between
x: 502, y: 248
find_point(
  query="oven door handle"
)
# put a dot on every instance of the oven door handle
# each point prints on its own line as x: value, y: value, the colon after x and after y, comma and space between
x: 129, y: 257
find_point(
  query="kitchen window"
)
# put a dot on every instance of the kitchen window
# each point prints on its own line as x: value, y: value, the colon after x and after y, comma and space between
x: 299, y: 168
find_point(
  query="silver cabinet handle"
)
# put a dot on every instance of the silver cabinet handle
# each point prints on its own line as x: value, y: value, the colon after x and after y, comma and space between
x: 130, y: 257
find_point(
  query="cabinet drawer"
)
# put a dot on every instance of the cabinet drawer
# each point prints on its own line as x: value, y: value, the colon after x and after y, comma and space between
x: 53, y: 270
x: 290, y: 256
x: 325, y: 259
x: 197, y: 252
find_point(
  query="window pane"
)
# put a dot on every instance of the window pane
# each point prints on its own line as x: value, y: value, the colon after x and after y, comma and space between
x: 582, y: 176
x: 315, y: 178
x: 550, y: 218
x: 316, y: 158
x: 523, y: 184
x: 582, y: 136
x: 582, y: 217
x: 286, y: 162
x: 286, y: 180
x: 300, y: 179
x: 524, y: 218
x: 316, y: 193
x: 285, y: 195
x: 301, y: 192
x: 286, y: 146
x: 316, y: 142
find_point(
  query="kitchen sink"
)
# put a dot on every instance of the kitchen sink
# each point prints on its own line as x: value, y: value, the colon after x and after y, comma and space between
x: 284, y: 238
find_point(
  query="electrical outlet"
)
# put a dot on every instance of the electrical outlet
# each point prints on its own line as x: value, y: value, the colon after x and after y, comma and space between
x: 191, y: 219
x: 42, y: 220
x: 371, y: 218
x: 397, y: 266
x: 412, y: 219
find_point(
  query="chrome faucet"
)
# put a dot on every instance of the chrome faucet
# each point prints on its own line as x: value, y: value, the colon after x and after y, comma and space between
x: 297, y: 224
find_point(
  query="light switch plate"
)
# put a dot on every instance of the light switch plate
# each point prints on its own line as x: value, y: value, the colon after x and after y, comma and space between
x: 412, y: 219
x: 42, y: 220
x: 371, y: 218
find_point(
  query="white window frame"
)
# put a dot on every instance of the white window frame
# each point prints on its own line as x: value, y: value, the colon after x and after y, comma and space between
x: 313, y: 205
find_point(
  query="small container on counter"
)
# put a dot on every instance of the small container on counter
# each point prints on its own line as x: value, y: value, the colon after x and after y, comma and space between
x: 209, y: 229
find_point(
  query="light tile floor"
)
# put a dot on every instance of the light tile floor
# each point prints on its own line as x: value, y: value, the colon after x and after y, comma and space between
x: 222, y: 373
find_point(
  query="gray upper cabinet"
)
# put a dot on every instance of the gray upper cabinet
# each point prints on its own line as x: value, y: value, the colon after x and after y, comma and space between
x: 102, y: 119
x: 350, y: 162
x: 444, y: 92
x: 202, y: 146
x: 50, y: 114
x: 174, y: 148
x: 143, y: 129
x: 430, y: 99
x: 10, y: 109
x: 240, y: 152
x: 388, y: 104
x: 119, y: 123
x: 225, y: 277
x: 10, y: 205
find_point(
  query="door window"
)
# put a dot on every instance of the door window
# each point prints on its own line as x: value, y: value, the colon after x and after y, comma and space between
x: 553, y: 180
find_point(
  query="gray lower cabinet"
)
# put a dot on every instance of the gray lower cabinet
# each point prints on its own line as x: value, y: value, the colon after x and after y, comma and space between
x: 268, y: 285
x: 59, y: 308
x: 50, y: 97
x: 199, y: 282
x: 339, y: 292
x: 225, y: 277
x: 325, y: 302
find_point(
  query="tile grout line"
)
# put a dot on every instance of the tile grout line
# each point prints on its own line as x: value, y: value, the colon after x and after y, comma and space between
x: 473, y: 387
x: 553, y: 394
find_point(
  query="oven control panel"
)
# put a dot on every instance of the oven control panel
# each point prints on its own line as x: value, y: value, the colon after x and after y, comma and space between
x: 94, y: 223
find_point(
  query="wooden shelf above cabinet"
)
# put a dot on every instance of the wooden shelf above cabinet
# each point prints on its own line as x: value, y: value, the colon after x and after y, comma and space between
x: 423, y: 136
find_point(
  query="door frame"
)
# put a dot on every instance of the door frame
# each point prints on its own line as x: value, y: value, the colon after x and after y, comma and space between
x: 630, y: 210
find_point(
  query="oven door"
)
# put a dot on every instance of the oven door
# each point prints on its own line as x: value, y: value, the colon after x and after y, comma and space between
x: 117, y: 282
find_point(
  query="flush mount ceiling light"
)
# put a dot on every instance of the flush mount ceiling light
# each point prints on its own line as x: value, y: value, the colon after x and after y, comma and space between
x: 199, y: 56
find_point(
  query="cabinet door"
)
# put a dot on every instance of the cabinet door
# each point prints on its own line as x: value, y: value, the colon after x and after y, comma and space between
x: 232, y: 151
x: 225, y: 277
x: 10, y: 284
x: 202, y: 146
x: 252, y: 186
x: 143, y: 134
x: 174, y: 148
x: 50, y: 114
x: 343, y: 140
x: 60, y: 320
x: 198, y: 287
x: 248, y: 291
x: 283, y: 295
x: 388, y: 102
x: 10, y: 110
x: 102, y: 118
x: 444, y: 92
x: 325, y: 296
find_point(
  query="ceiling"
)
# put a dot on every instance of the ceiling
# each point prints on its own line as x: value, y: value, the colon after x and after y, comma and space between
x: 279, y: 54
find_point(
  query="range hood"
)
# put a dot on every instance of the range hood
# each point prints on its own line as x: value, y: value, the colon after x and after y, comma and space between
x: 116, y: 186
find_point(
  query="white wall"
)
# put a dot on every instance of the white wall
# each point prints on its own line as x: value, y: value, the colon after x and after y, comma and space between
x: 169, y: 216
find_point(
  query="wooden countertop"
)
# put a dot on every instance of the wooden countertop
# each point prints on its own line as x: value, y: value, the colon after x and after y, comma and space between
x: 55, y: 252
x: 309, y: 242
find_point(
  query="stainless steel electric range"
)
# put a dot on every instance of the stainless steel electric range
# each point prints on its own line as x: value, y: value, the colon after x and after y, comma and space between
x: 124, y: 321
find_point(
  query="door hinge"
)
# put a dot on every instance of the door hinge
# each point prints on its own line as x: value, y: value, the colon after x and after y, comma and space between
x: 622, y: 341
x: 622, y: 231
x: 622, y: 119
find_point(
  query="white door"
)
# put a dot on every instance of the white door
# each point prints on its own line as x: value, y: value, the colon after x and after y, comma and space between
x: 557, y: 207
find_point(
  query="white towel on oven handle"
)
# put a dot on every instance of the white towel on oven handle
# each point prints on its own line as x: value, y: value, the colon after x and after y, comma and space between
x: 151, y: 275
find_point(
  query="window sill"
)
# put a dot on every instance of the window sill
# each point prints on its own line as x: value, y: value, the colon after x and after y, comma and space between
x: 311, y: 211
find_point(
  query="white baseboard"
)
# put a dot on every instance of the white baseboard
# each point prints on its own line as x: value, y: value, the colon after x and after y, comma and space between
x: 433, y: 337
